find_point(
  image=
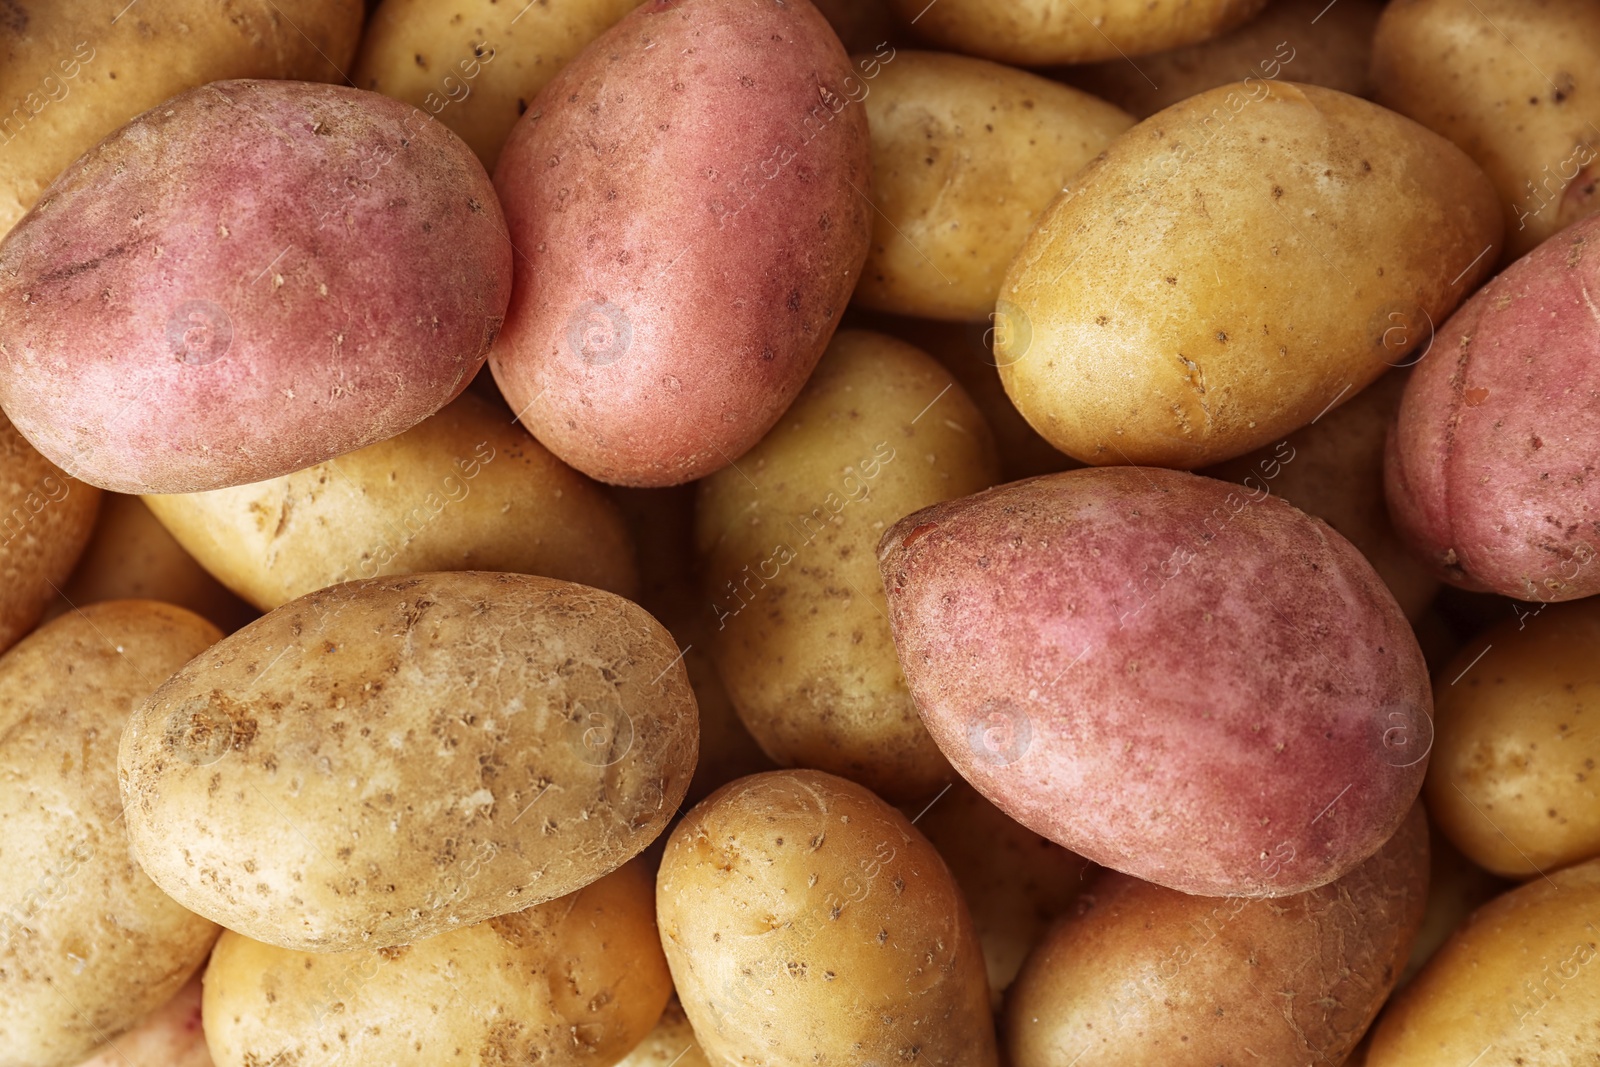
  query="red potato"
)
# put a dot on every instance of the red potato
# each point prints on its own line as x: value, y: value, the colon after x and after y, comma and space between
x: 165, y: 332
x: 1490, y: 471
x: 1204, y: 690
x: 171, y: 1037
x: 689, y: 198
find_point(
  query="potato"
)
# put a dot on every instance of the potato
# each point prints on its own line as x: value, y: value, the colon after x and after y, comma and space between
x: 466, y: 489
x: 1191, y: 685
x: 786, y: 540
x: 1037, y: 32
x: 690, y: 200
x: 1307, y: 41
x: 966, y: 155
x: 1343, y: 229
x: 46, y: 519
x: 1512, y: 987
x: 1489, y: 472
x: 1508, y: 81
x: 476, y: 65
x: 166, y: 334
x: 853, y: 946
x: 862, y: 25
x: 671, y: 1044
x: 89, y: 946
x: 171, y: 1037
x: 391, y: 759
x: 1141, y: 976
x: 1456, y: 887
x: 574, y: 982
x: 75, y: 70
x: 1333, y: 469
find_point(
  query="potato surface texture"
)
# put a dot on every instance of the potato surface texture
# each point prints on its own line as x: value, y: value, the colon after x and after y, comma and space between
x: 1209, y: 692
x: 1232, y: 267
x: 690, y: 198
x: 807, y: 922
x: 450, y: 747
x: 163, y: 333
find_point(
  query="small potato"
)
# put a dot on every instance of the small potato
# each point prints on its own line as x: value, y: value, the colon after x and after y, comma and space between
x: 1514, y: 987
x: 1141, y: 976
x: 671, y: 1044
x: 573, y: 982
x: 786, y: 542
x: 89, y: 946
x: 1232, y: 266
x: 388, y: 760
x: 1456, y: 888
x: 171, y: 1037
x: 166, y: 333
x: 1200, y: 688
x: 808, y: 922
x: 966, y: 155
x: 467, y: 489
x: 46, y: 519
x: 1508, y: 81
x: 476, y: 65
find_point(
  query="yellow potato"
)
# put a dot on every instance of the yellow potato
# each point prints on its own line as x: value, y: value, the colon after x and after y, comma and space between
x: 171, y: 1037
x: 464, y: 490
x: 1508, y: 81
x: 1514, y: 987
x: 574, y: 982
x: 89, y: 946
x: 788, y: 541
x: 671, y: 1044
x: 476, y: 65
x: 966, y: 154
x: 72, y: 71
x: 1231, y: 267
x: 808, y: 922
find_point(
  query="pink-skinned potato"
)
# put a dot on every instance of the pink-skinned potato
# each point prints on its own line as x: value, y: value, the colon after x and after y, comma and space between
x: 165, y: 333
x: 689, y: 196
x: 1490, y: 470
x: 1169, y: 676
x: 169, y: 1037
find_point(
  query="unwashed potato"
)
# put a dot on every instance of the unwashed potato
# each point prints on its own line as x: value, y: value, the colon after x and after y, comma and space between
x: 1038, y: 32
x: 1456, y: 888
x: 476, y: 65
x: 690, y: 198
x: 1201, y: 688
x: 1307, y: 41
x: 89, y: 945
x: 392, y: 759
x: 1233, y: 265
x: 786, y: 540
x: 671, y: 1044
x: 573, y: 982
x: 46, y: 519
x: 467, y: 489
x: 1141, y: 976
x: 165, y: 333
x: 1515, y: 84
x: 966, y: 154
x: 807, y: 922
x: 1514, y: 987
x: 171, y: 1037
x: 72, y: 71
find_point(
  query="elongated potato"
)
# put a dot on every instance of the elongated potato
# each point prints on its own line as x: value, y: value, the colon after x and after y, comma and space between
x: 170, y: 1037
x: 786, y: 541
x: 467, y: 489
x: 807, y: 921
x: 388, y: 760
x: 89, y: 945
x: 1231, y: 267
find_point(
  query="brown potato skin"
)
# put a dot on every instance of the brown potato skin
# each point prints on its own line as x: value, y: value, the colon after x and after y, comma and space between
x: 46, y: 519
x: 407, y: 726
x: 1238, y: 708
x: 72, y: 72
x: 1141, y: 976
x: 164, y: 334
x: 89, y: 945
x: 690, y: 235
x: 1174, y: 307
x: 807, y: 921
x: 169, y: 1037
x: 862, y: 25
x: 1513, y: 987
x: 466, y: 489
x: 573, y: 982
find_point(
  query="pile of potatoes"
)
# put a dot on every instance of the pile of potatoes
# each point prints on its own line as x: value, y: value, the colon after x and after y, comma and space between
x: 799, y: 533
